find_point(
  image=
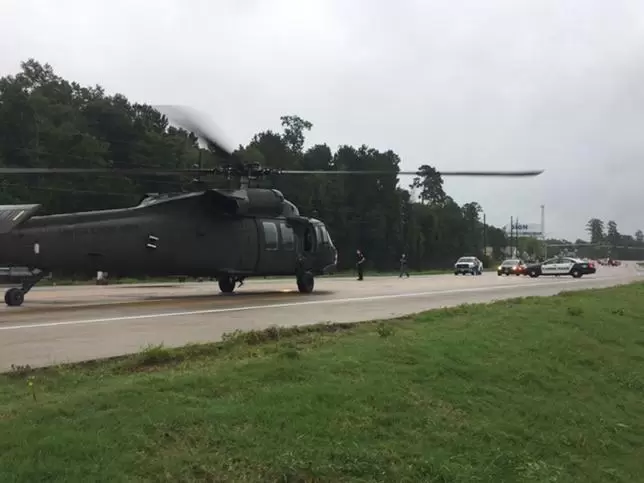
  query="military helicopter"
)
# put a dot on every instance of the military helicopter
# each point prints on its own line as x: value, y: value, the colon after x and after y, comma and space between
x: 227, y: 234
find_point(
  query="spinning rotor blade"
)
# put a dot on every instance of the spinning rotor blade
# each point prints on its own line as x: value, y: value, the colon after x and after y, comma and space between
x: 191, y: 120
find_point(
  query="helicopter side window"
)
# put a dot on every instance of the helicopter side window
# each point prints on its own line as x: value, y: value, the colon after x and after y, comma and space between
x: 288, y: 238
x: 308, y: 240
x: 270, y: 235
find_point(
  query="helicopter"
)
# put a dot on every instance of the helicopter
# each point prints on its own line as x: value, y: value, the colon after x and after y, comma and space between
x: 227, y: 234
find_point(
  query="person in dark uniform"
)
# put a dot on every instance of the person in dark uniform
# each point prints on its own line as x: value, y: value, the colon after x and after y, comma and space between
x: 360, y: 264
x: 403, y: 266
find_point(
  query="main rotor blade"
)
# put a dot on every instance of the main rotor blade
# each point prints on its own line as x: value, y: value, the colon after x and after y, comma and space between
x: 416, y: 173
x: 528, y: 173
x: 132, y: 171
x: 253, y: 171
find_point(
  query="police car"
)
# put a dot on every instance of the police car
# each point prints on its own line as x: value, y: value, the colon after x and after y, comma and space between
x: 561, y: 266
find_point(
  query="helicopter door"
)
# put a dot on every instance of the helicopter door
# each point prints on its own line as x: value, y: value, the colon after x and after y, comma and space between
x: 287, y: 248
x: 277, y: 248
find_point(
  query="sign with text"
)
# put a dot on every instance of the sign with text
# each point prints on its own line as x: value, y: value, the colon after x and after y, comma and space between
x: 524, y: 229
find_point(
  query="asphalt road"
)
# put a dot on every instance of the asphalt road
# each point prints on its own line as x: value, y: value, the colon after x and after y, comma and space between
x: 66, y: 324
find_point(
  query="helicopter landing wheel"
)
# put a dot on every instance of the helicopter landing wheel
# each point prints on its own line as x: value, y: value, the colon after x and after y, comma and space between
x: 14, y: 297
x: 305, y: 282
x: 226, y: 284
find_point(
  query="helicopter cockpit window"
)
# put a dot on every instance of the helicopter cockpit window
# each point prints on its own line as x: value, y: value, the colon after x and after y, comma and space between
x: 288, y: 238
x: 326, y: 236
x: 270, y: 235
x: 323, y: 237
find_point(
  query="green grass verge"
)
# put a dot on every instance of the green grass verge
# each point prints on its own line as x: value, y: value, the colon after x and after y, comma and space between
x: 533, y: 389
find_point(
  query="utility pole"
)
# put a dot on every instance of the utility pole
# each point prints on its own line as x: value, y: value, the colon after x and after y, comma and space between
x: 484, y: 236
x: 543, y: 231
x: 516, y: 235
x: 511, y: 236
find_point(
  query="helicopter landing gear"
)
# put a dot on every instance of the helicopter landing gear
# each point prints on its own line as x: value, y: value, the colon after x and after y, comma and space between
x: 226, y: 284
x: 305, y: 282
x: 14, y: 297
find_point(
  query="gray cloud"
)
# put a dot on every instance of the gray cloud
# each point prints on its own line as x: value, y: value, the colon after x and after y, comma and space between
x: 461, y: 84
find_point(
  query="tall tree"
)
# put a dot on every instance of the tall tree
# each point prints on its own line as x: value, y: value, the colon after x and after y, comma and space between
x: 595, y: 228
x: 612, y: 234
x: 471, y: 217
x: 430, y: 184
x: 294, y: 127
x: 639, y: 236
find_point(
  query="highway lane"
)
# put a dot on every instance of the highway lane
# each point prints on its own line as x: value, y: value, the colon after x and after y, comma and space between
x: 66, y: 324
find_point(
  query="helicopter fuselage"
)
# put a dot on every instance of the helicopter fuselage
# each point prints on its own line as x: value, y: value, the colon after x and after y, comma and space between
x: 182, y: 236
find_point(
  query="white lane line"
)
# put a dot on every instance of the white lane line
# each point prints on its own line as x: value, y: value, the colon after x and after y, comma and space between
x: 289, y: 304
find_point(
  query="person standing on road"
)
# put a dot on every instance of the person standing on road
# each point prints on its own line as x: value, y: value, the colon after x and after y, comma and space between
x: 403, y: 266
x: 360, y: 259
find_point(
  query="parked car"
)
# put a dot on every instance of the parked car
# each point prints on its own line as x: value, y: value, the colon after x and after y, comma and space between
x: 512, y: 266
x: 470, y: 265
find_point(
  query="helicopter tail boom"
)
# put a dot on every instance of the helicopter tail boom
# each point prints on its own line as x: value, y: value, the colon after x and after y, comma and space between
x: 12, y: 216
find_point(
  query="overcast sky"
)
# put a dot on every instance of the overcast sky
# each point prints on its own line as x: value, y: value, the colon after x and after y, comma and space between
x: 496, y: 84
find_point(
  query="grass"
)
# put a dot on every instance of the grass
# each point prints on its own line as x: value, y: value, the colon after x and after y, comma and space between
x: 532, y: 389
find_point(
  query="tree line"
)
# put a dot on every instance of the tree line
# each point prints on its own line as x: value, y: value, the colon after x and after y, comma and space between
x: 48, y: 121
x: 604, y: 240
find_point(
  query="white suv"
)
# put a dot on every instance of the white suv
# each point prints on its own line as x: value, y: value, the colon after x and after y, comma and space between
x: 468, y: 265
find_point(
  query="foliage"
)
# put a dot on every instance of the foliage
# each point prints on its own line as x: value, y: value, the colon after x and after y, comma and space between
x: 607, y: 241
x: 532, y: 389
x: 46, y: 120
x: 595, y: 228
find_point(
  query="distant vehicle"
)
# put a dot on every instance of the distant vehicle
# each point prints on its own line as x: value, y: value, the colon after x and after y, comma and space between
x: 561, y: 266
x: 470, y: 265
x: 512, y: 266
